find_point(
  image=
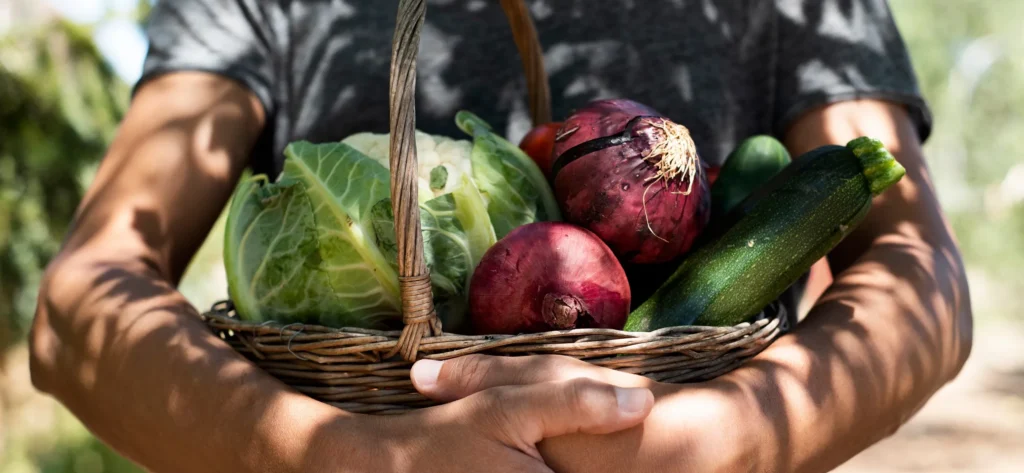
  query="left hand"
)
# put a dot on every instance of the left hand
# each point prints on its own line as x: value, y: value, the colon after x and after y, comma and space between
x: 716, y: 437
x: 894, y: 326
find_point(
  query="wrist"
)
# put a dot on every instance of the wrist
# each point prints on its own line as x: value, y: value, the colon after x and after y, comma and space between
x: 785, y: 413
x: 300, y: 434
x: 749, y: 436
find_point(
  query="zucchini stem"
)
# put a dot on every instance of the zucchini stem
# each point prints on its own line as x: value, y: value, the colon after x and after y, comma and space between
x: 879, y: 165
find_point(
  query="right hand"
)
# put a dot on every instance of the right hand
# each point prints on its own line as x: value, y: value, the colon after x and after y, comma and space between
x: 497, y: 429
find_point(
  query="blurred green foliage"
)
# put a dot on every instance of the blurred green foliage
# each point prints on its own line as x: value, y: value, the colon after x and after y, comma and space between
x: 969, y: 59
x: 60, y: 105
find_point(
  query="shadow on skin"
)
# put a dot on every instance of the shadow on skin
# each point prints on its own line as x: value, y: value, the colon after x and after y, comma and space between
x: 759, y: 380
x: 119, y: 283
x: 934, y: 268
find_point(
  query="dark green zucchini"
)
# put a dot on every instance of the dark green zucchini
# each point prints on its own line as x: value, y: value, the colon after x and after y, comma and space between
x: 772, y: 237
x: 756, y: 160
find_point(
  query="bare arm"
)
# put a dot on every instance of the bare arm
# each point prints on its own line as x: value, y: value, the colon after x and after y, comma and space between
x: 892, y: 329
x: 115, y: 342
x: 118, y: 345
x: 895, y: 325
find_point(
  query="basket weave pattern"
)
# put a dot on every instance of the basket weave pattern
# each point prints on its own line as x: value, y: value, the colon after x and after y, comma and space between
x: 350, y: 368
x: 367, y: 371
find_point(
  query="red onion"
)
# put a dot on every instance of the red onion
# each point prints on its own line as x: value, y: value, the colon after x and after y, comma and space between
x: 548, y: 276
x: 634, y: 178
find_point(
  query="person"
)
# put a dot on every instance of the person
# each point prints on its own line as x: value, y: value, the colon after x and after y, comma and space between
x: 228, y: 83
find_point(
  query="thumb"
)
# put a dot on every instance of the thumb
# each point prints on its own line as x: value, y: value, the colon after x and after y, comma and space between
x: 459, y: 377
x: 529, y: 414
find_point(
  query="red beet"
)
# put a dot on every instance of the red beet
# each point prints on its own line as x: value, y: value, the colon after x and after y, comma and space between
x: 634, y: 178
x: 548, y: 276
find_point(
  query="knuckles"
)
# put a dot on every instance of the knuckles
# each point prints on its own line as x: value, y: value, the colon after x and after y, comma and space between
x: 589, y: 399
x: 464, y: 375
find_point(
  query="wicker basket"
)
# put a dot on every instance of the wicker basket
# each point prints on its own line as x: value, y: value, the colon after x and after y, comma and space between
x: 367, y: 371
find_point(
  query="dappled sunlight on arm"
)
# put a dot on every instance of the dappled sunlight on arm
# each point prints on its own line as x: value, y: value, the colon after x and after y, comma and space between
x: 116, y: 343
x: 893, y: 327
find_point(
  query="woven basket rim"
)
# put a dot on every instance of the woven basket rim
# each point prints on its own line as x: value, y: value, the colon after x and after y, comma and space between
x: 216, y: 318
x: 365, y: 370
x: 358, y: 370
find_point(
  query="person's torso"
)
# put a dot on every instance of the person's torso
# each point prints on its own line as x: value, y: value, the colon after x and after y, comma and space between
x: 708, y: 65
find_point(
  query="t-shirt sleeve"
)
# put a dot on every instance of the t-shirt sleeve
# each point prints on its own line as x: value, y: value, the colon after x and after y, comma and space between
x: 225, y: 37
x: 834, y: 50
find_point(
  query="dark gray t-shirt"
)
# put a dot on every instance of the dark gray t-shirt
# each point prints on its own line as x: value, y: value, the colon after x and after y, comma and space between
x: 725, y: 69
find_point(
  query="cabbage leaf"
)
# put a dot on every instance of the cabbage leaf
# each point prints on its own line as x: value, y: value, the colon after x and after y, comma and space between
x: 514, y: 185
x: 318, y: 244
x: 303, y: 249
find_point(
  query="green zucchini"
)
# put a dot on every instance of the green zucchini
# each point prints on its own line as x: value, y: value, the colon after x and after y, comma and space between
x: 747, y: 167
x: 772, y: 237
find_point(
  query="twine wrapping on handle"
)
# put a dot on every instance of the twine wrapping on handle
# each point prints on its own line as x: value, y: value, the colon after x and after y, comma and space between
x: 418, y: 314
x: 414, y: 276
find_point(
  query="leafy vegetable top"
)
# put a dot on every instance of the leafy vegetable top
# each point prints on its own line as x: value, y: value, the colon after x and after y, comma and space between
x: 318, y: 244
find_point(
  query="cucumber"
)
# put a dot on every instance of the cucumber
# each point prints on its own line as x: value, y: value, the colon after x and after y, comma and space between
x: 756, y: 160
x: 772, y: 238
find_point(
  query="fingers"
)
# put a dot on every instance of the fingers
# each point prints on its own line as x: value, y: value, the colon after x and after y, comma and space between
x: 463, y: 376
x: 528, y: 414
x: 520, y: 417
x: 462, y: 436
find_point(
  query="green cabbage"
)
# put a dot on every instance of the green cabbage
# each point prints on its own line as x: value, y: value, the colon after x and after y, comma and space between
x: 318, y: 244
x: 517, y: 190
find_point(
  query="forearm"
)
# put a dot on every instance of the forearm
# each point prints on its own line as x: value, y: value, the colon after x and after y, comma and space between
x: 128, y: 355
x: 890, y: 331
x: 125, y: 352
x: 893, y: 328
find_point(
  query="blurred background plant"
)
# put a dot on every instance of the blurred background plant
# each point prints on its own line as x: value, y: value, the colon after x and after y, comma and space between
x: 66, y: 67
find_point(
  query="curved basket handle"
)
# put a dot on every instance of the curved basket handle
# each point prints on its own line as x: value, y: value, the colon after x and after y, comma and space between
x: 418, y: 314
x: 525, y: 35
